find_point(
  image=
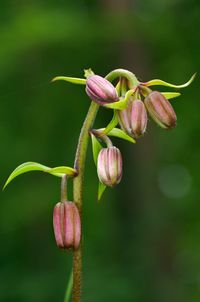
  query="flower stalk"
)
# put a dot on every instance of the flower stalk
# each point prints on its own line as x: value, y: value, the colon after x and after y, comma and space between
x: 63, y: 188
x: 79, y: 165
x: 129, y: 101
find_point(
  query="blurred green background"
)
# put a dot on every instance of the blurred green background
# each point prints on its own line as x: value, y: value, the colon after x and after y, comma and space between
x: 141, y: 243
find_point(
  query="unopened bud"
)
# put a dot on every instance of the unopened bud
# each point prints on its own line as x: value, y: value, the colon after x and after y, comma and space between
x: 100, y: 90
x: 160, y: 110
x: 109, y: 166
x: 67, y: 225
x: 133, y: 119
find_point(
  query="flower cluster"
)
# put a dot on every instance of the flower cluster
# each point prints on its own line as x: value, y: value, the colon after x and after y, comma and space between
x: 132, y: 102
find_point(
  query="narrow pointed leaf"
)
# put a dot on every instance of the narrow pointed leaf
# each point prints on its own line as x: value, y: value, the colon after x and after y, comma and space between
x: 101, y: 190
x: 163, y: 83
x: 120, y: 134
x: 171, y: 95
x: 62, y: 170
x: 33, y: 166
x: 118, y: 88
x: 70, y: 80
x: 120, y: 105
x: 96, y: 147
x: 112, y: 123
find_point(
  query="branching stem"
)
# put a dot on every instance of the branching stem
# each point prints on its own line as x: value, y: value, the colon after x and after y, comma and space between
x: 79, y: 166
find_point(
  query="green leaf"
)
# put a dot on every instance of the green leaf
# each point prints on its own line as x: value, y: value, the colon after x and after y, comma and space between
x: 118, y: 88
x: 121, y: 105
x: 171, y: 95
x: 101, y: 190
x: 96, y: 147
x: 70, y: 80
x: 112, y: 123
x: 69, y: 288
x: 163, y: 83
x: 62, y: 170
x: 121, y: 134
x: 33, y: 166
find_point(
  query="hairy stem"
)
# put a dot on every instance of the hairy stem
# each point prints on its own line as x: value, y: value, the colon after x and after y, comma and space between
x: 79, y: 165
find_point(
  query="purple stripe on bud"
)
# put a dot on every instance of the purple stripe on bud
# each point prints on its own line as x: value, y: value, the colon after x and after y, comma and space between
x: 109, y: 166
x: 67, y: 225
x: 160, y: 110
x: 133, y: 119
x: 100, y: 90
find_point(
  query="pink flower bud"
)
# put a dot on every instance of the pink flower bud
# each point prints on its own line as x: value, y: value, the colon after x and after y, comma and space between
x: 67, y: 225
x: 109, y: 166
x: 160, y: 110
x: 133, y: 119
x: 100, y: 90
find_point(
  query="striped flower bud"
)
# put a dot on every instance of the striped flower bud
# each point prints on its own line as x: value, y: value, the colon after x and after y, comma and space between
x: 133, y: 119
x: 67, y: 225
x: 109, y: 166
x: 100, y: 90
x: 160, y: 110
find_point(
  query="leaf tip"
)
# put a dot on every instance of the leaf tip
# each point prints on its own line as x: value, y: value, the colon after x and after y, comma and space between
x: 101, y: 190
x: 54, y: 79
x: 193, y: 76
x: 6, y: 184
x: 4, y: 187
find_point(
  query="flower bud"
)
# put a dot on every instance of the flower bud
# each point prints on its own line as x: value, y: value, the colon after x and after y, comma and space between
x: 133, y: 119
x: 160, y: 110
x: 100, y: 90
x: 109, y: 166
x: 67, y: 225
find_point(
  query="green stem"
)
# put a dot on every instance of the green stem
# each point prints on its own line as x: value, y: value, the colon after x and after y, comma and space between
x: 132, y: 80
x: 79, y: 165
x: 145, y: 90
x: 64, y: 188
x: 112, y: 123
x: 107, y: 141
x: 104, y: 138
x: 69, y: 288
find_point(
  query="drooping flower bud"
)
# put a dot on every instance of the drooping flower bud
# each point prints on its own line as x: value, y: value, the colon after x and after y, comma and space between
x: 133, y: 119
x: 160, y: 110
x: 67, y: 225
x: 100, y: 90
x: 109, y: 166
